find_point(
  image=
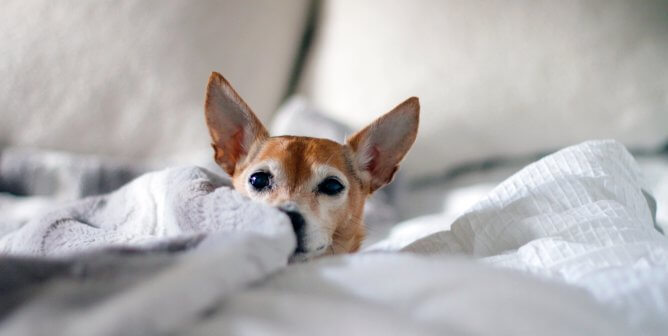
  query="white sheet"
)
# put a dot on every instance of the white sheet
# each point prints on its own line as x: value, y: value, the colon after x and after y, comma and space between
x: 403, y: 294
x: 579, y: 216
x: 577, y: 219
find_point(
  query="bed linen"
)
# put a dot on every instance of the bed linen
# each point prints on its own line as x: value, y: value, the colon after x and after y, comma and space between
x: 567, y: 245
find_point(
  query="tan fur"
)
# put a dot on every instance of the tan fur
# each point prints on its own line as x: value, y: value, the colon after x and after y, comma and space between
x: 298, y: 155
x: 366, y: 162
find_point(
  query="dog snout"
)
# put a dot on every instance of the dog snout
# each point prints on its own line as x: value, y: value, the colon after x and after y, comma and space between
x: 288, y: 206
x: 299, y: 226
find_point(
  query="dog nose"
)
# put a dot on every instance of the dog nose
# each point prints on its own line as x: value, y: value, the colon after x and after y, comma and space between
x: 298, y: 225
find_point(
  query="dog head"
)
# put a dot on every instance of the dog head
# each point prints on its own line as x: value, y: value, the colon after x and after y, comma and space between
x: 320, y: 184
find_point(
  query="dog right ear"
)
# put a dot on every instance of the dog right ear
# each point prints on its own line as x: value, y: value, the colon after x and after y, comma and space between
x: 380, y: 147
x: 232, y: 125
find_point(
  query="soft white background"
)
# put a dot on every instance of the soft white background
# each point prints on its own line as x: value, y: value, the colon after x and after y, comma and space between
x: 127, y: 77
x: 497, y: 78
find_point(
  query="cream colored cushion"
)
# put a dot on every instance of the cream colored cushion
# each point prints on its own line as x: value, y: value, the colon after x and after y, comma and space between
x: 497, y: 78
x: 127, y: 77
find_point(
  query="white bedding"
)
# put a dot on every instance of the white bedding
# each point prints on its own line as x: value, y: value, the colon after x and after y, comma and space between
x: 567, y: 246
x: 578, y: 219
x: 580, y: 216
x: 172, y: 203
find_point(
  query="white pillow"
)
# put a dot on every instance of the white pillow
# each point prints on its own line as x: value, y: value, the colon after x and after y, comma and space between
x: 127, y: 78
x: 497, y: 78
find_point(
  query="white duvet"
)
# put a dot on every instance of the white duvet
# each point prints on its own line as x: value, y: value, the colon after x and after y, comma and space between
x: 579, y: 219
x: 580, y: 216
x: 567, y: 246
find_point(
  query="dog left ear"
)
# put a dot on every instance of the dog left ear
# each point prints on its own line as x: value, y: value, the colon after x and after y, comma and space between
x: 380, y: 147
x: 232, y: 124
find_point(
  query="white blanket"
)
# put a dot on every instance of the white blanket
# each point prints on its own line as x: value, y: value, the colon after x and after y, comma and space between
x: 168, y: 204
x: 578, y: 219
x: 579, y: 216
x: 137, y: 280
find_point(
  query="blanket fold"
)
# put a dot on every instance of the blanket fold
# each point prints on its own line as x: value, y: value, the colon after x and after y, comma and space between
x: 164, y: 204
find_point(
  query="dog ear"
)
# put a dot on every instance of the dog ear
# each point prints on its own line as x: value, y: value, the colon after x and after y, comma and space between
x: 232, y: 125
x: 380, y: 146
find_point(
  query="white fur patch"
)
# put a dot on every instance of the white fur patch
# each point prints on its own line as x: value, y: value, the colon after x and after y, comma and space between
x: 365, y: 154
x: 320, y: 225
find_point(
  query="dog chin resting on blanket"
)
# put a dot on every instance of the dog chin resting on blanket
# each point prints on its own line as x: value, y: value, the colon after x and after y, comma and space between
x: 320, y: 184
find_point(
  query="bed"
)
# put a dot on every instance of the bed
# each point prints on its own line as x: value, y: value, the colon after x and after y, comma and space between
x: 567, y: 245
x: 508, y: 216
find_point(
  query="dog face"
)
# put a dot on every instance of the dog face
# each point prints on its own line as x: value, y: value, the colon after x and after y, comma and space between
x: 320, y: 184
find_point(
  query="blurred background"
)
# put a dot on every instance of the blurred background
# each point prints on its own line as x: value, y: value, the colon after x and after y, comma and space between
x: 501, y: 83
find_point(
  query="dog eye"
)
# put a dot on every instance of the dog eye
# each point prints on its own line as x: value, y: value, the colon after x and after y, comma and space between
x: 330, y: 186
x: 260, y: 180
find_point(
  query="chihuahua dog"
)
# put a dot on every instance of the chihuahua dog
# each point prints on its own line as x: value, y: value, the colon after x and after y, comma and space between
x: 320, y: 184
